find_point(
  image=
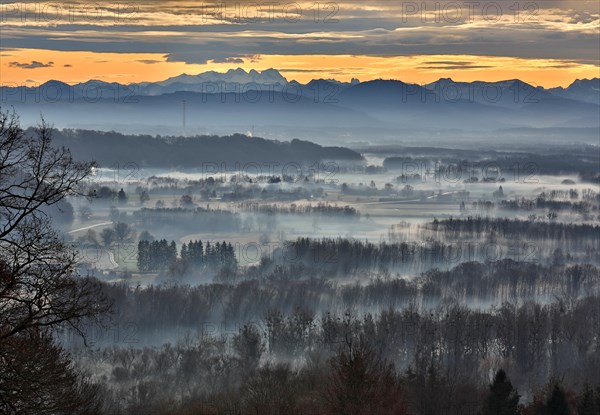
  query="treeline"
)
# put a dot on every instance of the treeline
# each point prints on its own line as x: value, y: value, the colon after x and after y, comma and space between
x: 294, y: 209
x: 573, y: 194
x: 271, y: 192
x: 514, y: 228
x: 387, y: 190
x: 159, y: 310
x: 586, y: 209
x: 156, y: 255
x: 230, y: 178
x: 239, y: 188
x: 162, y: 256
x: 330, y: 257
x: 518, y: 166
x: 103, y: 193
x: 405, y: 361
x: 342, y: 256
x: 195, y: 254
x: 582, y: 207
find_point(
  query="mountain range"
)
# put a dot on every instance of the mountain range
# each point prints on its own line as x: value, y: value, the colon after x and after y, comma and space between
x: 201, y: 82
x: 238, y: 101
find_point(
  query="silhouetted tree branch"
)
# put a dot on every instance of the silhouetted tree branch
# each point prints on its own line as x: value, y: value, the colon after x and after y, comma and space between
x: 40, y: 289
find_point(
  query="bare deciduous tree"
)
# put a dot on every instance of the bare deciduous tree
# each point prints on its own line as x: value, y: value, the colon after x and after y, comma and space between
x: 40, y: 289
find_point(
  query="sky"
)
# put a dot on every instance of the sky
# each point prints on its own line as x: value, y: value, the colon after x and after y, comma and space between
x: 546, y: 42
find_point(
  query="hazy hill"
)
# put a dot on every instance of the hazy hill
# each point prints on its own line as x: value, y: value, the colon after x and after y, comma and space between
x: 108, y: 148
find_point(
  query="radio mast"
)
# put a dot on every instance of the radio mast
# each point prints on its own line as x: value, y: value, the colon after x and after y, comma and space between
x: 184, y: 120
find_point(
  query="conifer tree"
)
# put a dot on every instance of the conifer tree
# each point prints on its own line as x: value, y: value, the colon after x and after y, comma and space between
x: 502, y: 399
x: 557, y: 403
x: 588, y: 404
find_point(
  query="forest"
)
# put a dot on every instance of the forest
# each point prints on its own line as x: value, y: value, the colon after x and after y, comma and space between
x: 355, y: 289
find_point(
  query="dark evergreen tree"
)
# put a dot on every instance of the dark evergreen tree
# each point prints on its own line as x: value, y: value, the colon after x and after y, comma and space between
x: 231, y: 259
x: 143, y: 256
x: 588, y: 404
x: 185, y: 255
x: 156, y: 255
x: 122, y: 197
x: 198, y: 253
x: 209, y: 255
x: 502, y: 399
x: 557, y: 403
x: 172, y: 253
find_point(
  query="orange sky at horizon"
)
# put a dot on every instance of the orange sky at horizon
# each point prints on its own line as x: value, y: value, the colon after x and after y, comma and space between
x: 74, y: 67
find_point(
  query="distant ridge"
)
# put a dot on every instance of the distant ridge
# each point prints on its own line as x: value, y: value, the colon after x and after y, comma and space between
x: 238, y: 80
x: 267, y: 79
x: 238, y: 75
x: 586, y: 90
x: 321, y: 107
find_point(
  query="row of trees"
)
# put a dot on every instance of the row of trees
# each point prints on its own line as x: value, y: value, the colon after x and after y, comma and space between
x: 474, y: 284
x: 106, y: 194
x: 572, y: 194
x: 320, y: 208
x: 272, y: 192
x: 239, y: 187
x: 520, y: 167
x: 328, y: 257
x: 162, y: 255
x: 156, y: 255
x: 513, y: 228
x: 539, y: 203
x: 196, y: 254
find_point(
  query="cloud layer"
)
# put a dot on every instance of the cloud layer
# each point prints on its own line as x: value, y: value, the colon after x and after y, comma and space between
x: 235, y: 32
